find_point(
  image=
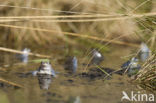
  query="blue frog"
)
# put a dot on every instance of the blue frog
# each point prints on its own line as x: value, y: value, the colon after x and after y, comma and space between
x: 44, y: 68
x: 130, y: 67
x: 144, y: 52
x: 97, y: 57
x: 71, y: 64
x: 24, y: 57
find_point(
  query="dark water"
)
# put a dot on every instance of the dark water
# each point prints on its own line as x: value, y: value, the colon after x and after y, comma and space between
x: 65, y: 88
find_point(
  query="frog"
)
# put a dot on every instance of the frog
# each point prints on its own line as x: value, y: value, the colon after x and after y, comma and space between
x: 144, y: 53
x: 24, y: 56
x: 71, y: 64
x: 97, y: 57
x: 44, y: 68
x: 131, y: 67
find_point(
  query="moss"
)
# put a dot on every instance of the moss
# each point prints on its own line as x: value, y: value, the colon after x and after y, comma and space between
x: 39, y: 60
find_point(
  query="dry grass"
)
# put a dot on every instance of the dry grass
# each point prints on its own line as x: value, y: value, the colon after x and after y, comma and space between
x: 74, y: 34
x: 119, y: 19
x: 147, y: 76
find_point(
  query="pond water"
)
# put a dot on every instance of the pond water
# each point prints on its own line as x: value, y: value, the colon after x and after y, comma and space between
x: 65, y: 88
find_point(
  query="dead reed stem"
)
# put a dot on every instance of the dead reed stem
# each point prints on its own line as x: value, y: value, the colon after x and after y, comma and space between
x: 20, y: 52
x: 42, y: 9
x: 61, y: 16
x: 11, y: 83
x: 71, y: 34
x: 129, y: 16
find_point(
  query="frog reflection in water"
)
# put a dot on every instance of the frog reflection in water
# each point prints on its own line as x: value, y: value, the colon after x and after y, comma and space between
x: 44, y: 74
x: 44, y: 80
